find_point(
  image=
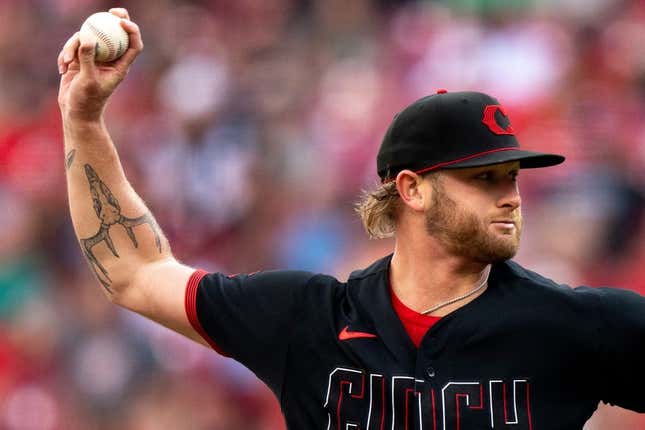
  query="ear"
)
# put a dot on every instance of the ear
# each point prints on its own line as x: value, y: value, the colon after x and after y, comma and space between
x: 410, y: 188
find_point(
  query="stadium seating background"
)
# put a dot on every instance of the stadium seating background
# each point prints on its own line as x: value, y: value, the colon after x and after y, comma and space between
x: 250, y: 127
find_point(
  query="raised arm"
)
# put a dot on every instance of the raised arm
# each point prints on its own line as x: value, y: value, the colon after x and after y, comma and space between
x: 120, y: 239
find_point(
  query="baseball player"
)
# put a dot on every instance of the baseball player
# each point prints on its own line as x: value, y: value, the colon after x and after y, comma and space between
x: 445, y: 333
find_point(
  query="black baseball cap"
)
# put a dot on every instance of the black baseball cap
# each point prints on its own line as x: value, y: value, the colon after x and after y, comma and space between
x: 450, y: 130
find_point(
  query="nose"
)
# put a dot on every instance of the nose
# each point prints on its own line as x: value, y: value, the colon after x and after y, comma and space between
x: 510, y: 197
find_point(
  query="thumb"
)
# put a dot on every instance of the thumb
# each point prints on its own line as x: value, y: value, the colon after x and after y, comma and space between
x: 86, y: 53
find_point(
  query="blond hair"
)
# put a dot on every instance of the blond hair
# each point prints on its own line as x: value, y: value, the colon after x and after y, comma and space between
x: 379, y: 209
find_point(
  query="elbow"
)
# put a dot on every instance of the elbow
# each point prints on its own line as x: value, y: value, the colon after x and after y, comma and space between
x: 113, y: 284
x: 121, y: 288
x: 132, y: 291
x: 118, y: 287
x: 114, y: 293
x: 124, y: 296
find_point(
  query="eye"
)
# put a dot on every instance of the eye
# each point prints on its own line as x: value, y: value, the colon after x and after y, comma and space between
x: 485, y: 176
x: 514, y: 175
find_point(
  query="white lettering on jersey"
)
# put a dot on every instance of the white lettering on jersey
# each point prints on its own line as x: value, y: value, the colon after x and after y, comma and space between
x: 348, y: 408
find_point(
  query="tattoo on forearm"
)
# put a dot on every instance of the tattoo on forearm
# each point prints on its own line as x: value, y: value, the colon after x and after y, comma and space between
x: 108, y: 210
x: 69, y: 159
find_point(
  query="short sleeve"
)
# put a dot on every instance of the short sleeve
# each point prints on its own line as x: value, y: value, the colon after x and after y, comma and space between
x: 622, y: 340
x: 248, y: 317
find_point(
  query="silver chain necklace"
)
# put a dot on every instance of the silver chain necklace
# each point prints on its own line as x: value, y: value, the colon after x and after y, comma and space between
x: 482, y: 284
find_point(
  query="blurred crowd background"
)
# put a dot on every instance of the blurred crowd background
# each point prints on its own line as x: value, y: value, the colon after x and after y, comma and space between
x: 250, y: 128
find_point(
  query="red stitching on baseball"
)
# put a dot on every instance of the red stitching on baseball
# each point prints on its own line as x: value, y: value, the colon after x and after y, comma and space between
x: 105, y: 38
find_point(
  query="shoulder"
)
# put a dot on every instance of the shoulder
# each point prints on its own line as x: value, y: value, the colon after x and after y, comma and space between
x: 542, y: 290
x: 370, y: 275
x: 285, y: 286
x: 262, y: 278
x: 511, y: 276
x: 362, y: 286
x: 537, y: 290
x: 511, y: 271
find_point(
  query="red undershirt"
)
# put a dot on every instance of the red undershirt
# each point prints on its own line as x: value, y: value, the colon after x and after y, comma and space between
x: 416, y: 324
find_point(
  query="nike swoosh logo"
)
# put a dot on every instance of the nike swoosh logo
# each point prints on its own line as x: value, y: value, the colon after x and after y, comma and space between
x: 346, y: 334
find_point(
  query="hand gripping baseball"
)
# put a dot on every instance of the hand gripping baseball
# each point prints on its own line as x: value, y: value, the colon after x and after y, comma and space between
x: 85, y: 85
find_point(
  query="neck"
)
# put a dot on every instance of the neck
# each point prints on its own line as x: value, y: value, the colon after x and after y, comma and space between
x: 423, y: 275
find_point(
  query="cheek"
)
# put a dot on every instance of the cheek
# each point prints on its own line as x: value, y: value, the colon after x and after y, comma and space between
x: 474, y: 212
x: 474, y: 204
x: 468, y: 220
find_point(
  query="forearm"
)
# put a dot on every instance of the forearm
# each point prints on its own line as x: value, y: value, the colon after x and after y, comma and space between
x: 116, y: 231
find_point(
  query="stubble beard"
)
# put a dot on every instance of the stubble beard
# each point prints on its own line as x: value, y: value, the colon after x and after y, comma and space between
x: 465, y: 234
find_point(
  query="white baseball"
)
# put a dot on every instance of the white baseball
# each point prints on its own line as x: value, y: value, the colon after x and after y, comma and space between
x: 111, y: 39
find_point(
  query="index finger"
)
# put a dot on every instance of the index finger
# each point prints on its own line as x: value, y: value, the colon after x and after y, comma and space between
x: 135, y: 45
x: 120, y: 12
x: 134, y: 32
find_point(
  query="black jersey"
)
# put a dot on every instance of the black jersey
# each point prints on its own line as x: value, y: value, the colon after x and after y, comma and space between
x: 526, y: 354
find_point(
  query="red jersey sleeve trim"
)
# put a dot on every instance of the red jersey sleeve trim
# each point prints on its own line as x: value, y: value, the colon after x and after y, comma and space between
x: 191, y: 308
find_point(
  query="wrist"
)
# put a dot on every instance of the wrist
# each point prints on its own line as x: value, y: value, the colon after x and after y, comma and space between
x: 75, y: 126
x: 82, y: 112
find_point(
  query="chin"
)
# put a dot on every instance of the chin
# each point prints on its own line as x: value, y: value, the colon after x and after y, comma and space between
x: 504, y: 255
x: 499, y: 249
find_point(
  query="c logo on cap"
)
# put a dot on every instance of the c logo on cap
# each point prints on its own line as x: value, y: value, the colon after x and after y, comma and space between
x: 491, y: 122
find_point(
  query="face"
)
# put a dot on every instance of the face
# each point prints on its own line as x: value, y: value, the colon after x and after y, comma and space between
x: 475, y: 212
